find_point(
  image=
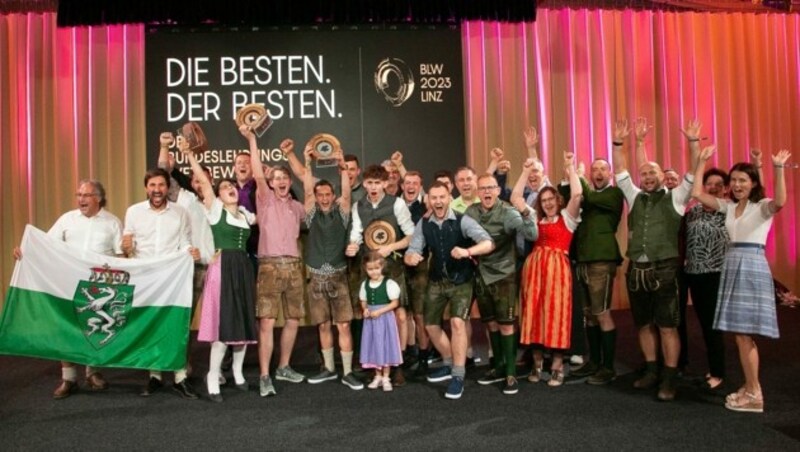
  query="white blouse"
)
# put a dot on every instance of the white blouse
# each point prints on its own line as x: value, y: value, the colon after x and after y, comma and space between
x: 752, y: 226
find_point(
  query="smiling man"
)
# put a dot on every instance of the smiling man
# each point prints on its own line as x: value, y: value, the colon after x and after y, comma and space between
x: 653, y: 224
x: 153, y: 228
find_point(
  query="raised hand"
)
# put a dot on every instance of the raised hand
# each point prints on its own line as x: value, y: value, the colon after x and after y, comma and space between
x: 569, y: 158
x: 531, y: 137
x: 692, y: 130
x: 496, y: 155
x: 581, y: 170
x: 183, y: 145
x: 780, y: 158
x: 287, y: 146
x: 528, y: 165
x: 246, y: 131
x: 641, y: 128
x: 166, y: 139
x: 621, y: 130
x: 756, y: 156
x: 397, y: 158
x: 707, y: 152
x: 503, y: 167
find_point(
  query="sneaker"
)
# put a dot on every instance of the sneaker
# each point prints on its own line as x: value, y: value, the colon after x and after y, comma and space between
x: 265, y: 386
x: 289, y: 374
x: 746, y: 403
x: 387, y: 385
x: 556, y: 378
x: 602, y: 376
x: 440, y: 374
x: 586, y: 370
x: 353, y: 382
x: 325, y: 375
x: 377, y: 381
x: 511, y: 387
x: 455, y: 388
x: 535, y: 375
x: 491, y: 377
x: 648, y: 381
x: 576, y: 360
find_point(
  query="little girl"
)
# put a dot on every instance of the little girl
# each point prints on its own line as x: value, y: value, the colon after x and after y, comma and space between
x: 380, y: 343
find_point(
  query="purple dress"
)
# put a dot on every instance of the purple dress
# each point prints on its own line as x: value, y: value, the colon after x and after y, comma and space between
x: 380, y: 343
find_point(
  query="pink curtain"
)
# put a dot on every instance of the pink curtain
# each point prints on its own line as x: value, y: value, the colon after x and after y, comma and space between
x: 72, y: 101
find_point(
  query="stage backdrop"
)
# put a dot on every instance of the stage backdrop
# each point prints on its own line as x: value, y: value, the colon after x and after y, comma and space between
x: 376, y: 89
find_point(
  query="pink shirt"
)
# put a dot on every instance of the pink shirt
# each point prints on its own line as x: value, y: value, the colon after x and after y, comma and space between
x: 279, y: 221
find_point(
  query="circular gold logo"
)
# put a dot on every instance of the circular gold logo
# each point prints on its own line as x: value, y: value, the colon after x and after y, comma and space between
x: 378, y: 234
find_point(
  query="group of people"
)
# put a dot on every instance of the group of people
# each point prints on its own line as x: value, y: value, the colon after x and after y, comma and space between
x: 388, y: 263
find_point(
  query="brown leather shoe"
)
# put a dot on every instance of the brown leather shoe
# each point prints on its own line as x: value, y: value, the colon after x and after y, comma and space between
x: 96, y: 382
x: 399, y: 378
x: 65, y: 389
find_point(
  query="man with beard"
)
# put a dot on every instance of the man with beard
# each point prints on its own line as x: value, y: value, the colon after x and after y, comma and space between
x: 88, y: 228
x: 378, y: 206
x: 496, y: 285
x: 597, y: 255
x: 653, y: 224
x: 453, y: 239
x: 153, y: 228
x: 280, y: 268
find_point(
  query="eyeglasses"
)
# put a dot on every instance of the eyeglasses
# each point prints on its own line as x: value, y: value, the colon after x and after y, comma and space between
x: 85, y: 195
x: 488, y: 188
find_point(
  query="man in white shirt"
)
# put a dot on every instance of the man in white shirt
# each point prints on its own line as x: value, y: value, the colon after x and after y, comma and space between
x: 152, y: 228
x: 89, y: 228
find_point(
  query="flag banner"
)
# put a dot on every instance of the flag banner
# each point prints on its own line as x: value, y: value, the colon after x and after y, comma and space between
x: 97, y: 310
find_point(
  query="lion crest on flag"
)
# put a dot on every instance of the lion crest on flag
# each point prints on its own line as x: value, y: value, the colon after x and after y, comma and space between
x: 102, y: 304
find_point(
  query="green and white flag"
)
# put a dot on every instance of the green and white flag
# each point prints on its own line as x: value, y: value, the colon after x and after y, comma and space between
x: 97, y: 310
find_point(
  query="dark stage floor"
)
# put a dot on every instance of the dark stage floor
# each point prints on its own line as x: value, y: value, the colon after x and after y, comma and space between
x: 330, y: 416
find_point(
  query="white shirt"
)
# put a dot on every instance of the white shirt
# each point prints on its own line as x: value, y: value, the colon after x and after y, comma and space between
x: 158, y: 232
x: 201, y: 230
x: 392, y: 289
x: 401, y: 212
x: 243, y: 221
x: 680, y: 194
x: 752, y: 226
x: 100, y: 233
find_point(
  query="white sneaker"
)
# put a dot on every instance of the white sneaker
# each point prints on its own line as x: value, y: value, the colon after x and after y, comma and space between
x: 576, y: 360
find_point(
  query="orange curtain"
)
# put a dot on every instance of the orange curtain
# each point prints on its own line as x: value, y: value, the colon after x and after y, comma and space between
x: 72, y: 101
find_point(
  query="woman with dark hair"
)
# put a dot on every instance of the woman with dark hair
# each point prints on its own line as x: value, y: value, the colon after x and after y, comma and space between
x: 227, y: 315
x: 706, y: 244
x: 546, y: 283
x: 746, y: 301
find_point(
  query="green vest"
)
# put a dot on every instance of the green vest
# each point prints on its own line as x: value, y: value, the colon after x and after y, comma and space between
x: 601, y: 212
x: 653, y: 226
x: 501, y: 262
x: 327, y: 239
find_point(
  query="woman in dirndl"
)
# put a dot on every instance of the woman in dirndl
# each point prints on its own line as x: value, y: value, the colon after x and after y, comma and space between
x: 546, y: 282
x: 746, y: 299
x: 227, y: 316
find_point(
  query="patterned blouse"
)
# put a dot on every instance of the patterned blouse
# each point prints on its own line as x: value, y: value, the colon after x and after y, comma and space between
x: 706, y: 240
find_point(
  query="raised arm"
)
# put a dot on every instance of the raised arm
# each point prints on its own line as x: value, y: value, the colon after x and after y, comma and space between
x: 309, y: 197
x: 779, y: 163
x: 255, y: 159
x: 397, y: 159
x: 706, y: 199
x: 205, y: 184
x: 641, y: 128
x: 495, y: 157
x: 756, y: 158
x: 345, y: 199
x: 517, y: 198
x: 575, y: 187
x: 531, y: 140
x: 692, y: 134
x: 621, y: 131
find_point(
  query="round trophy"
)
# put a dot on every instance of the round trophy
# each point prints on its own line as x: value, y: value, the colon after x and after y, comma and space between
x: 378, y: 234
x: 254, y: 116
x: 194, y: 135
x: 325, y: 146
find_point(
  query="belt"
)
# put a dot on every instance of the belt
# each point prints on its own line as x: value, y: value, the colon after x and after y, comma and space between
x: 279, y: 260
x: 746, y: 245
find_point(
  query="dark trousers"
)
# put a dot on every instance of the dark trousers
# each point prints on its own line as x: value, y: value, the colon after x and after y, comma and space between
x: 683, y: 302
x: 704, y: 288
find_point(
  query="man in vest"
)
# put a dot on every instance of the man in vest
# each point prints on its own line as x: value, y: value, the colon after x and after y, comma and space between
x: 453, y: 240
x: 328, y: 292
x: 653, y: 225
x: 391, y: 211
x: 496, y: 286
x: 597, y: 254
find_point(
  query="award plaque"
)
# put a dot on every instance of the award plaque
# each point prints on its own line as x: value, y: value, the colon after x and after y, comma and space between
x: 325, y: 146
x: 378, y: 234
x: 254, y: 116
x: 194, y: 135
